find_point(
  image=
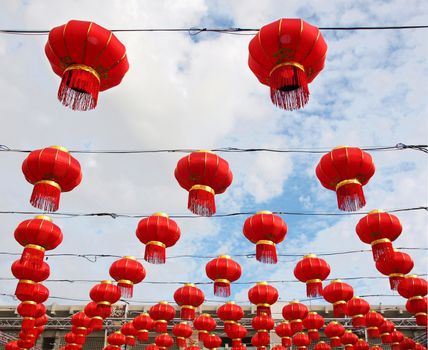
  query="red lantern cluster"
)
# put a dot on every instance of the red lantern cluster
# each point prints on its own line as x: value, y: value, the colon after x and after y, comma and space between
x: 189, y: 298
x: 212, y: 341
x: 164, y: 341
x: 349, y: 339
x: 105, y: 294
x: 385, y: 329
x: 301, y: 340
x: 236, y: 332
x: 263, y: 295
x: 373, y: 321
x: 127, y: 272
x: 312, y: 271
x: 263, y: 324
x: 415, y: 289
x: 223, y: 270
x: 357, y: 308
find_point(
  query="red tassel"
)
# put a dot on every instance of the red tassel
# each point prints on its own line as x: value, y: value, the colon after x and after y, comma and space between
x: 286, y: 341
x: 181, y: 342
x: 155, y: 254
x: 130, y: 340
x: 339, y: 309
x: 263, y: 309
x: 45, y: 196
x: 296, y: 326
x: 126, y: 289
x: 201, y: 200
x: 266, y: 252
x: 335, y: 342
x: 222, y: 289
x: 96, y: 323
x: 143, y: 335
x: 313, y: 289
x: 394, y: 281
x: 421, y: 319
x: 28, y: 323
x: 313, y: 334
x: 264, y: 337
x: 161, y: 327
x: 34, y: 254
x: 386, y: 338
x: 350, y: 195
x: 358, y: 321
x: 289, y: 88
x: 382, y: 250
x: 373, y: 332
x: 79, y: 88
x: 187, y: 313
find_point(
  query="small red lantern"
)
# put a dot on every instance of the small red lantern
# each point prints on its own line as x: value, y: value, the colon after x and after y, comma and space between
x: 204, y: 324
x: 322, y: 346
x: 301, y: 340
x: 74, y: 340
x: 313, y: 323
x: 412, y: 286
x: 396, y: 338
x: 419, y: 347
x: 212, y: 341
x: 373, y: 321
x: 25, y: 270
x: 283, y: 330
x: 265, y: 230
x: 204, y: 174
x: 230, y: 313
x: 295, y: 312
x: 312, y: 271
x: 81, y: 322
x: 88, y: 58
x: 41, y: 322
x: 223, y: 270
x: 407, y: 344
x: 105, y: 294
x: 130, y: 333
x: 379, y: 229
x: 189, y: 298
x: 157, y: 232
x: 263, y: 296
x: 164, y: 341
x: 334, y: 331
x: 263, y: 324
x: 258, y: 341
x: 116, y: 339
x: 182, y: 332
x: 287, y: 55
x: 361, y: 345
x: 30, y: 291
x: 385, y: 329
x: 417, y: 305
x: 30, y: 311
x: 338, y: 293
x: 152, y: 347
x: 346, y: 170
x: 278, y: 347
x: 162, y: 313
x: 143, y: 323
x: 349, y: 339
x: 357, y: 308
x: 395, y: 267
x: 236, y: 333
x: 12, y: 345
x: 97, y: 314
x: 127, y: 272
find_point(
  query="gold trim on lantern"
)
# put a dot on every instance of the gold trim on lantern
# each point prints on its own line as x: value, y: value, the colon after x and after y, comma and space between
x: 371, y: 328
x: 347, y: 182
x: 229, y: 322
x: 43, y: 217
x: 288, y: 63
x: 262, y: 283
x: 339, y: 302
x: 27, y: 281
x: 411, y: 276
x: 190, y: 284
x: 262, y: 330
x: 203, y: 188
x: 206, y: 315
x: 104, y: 303
x: 286, y: 337
x: 416, y: 297
x: 130, y: 257
x: 81, y: 328
x: 334, y: 338
x: 296, y: 320
x: 396, y: 275
x: 421, y: 314
x: 29, y: 302
x: 313, y: 330
x: 382, y: 240
x: 48, y: 182
x: 336, y: 281
x: 191, y: 307
x: 357, y: 316
x: 341, y: 146
x: 161, y: 321
x: 224, y: 257
x: 376, y: 211
x: 265, y: 241
x: 159, y: 244
x: 97, y: 318
x: 163, y: 302
x: 35, y: 246
x: 106, y: 282
x: 61, y: 148
x: 222, y: 280
x: 263, y: 212
x: 312, y: 313
x: 204, y: 151
x: 203, y: 331
x: 385, y: 334
x: 294, y: 301
x: 29, y: 318
x: 160, y: 213
x: 125, y: 282
x: 85, y: 68
x: 310, y: 255
x: 315, y: 280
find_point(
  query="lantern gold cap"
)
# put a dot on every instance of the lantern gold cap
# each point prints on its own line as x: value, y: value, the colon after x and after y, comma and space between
x: 336, y: 281
x: 163, y: 302
x: 312, y: 313
x: 224, y: 257
x: 207, y: 315
x: 230, y: 302
x: 60, y: 148
x: 262, y: 283
x: 144, y: 314
x: 189, y: 284
x: 376, y: 211
x: 106, y: 282
x: 411, y: 276
x: 310, y: 255
x: 204, y: 151
x: 43, y: 217
x: 341, y: 146
x: 264, y: 212
x: 294, y: 301
x: 130, y: 257
x: 161, y: 213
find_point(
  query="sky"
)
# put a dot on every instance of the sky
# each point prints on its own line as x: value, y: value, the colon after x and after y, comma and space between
x: 187, y: 92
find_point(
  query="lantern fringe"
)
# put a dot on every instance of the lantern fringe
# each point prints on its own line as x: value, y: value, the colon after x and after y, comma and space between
x: 45, y: 197
x: 264, y: 337
x: 28, y: 323
x: 79, y: 90
x: 313, y: 289
x: 130, y: 341
x: 296, y: 326
x: 266, y: 253
x: 373, y: 332
x: 386, y: 338
x: 187, y: 313
x: 394, y: 281
x: 161, y: 327
x: 222, y: 289
x: 126, y: 290
x: 34, y: 257
x: 143, y: 335
x: 289, y: 88
x: 358, y: 322
x: 421, y: 319
x: 201, y: 202
x: 155, y: 254
x: 335, y: 342
x: 350, y: 197
x: 339, y: 310
x: 263, y: 309
x: 382, y: 251
x: 313, y: 335
x: 286, y: 341
x: 96, y: 324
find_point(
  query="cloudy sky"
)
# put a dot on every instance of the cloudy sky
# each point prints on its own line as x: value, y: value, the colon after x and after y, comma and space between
x: 198, y: 93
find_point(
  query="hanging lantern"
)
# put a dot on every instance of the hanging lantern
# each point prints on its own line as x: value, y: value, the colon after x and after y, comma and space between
x: 278, y: 347
x: 223, y: 270
x: 41, y: 321
x: 193, y: 347
x: 334, y: 330
x: 407, y: 344
x: 361, y: 345
x: 357, y: 308
x: 395, y: 267
x: 157, y: 232
x: 130, y: 333
x: 88, y: 58
x: 349, y: 339
x: 204, y: 174
x: 212, y: 342
x: 189, y: 298
x: 25, y: 270
x: 143, y: 323
x: 105, y: 294
x: 322, y: 346
x: 265, y: 230
x: 373, y: 321
x: 263, y: 296
x: 182, y: 332
x: 418, y: 306
x: 36, y: 236
x: 312, y: 271
x: 283, y: 330
x: 376, y: 347
x: 236, y: 333
x: 74, y: 340
x: 338, y: 293
x: 259, y: 342
x: 287, y: 55
x: 419, y: 347
x: 301, y: 340
x: 412, y: 286
x: 116, y: 339
x: 29, y: 291
x: 30, y: 311
x: 295, y: 312
x: 97, y: 314
x: 379, y: 229
x: 127, y: 272
x: 346, y: 170
x: 152, y: 347
x: 12, y: 345
x: 396, y: 338
x: 162, y: 313
x: 263, y: 324
x: 81, y: 324
x: 313, y: 323
x: 204, y: 324
x: 385, y: 329
x: 26, y: 343
x: 230, y: 313
x: 164, y: 341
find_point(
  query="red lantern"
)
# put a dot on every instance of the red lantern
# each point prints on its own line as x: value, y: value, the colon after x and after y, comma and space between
x: 143, y: 323
x: 373, y: 321
x: 26, y: 343
x: 379, y: 229
x: 157, y: 232
x: 412, y: 286
x: 51, y: 170
x: 418, y: 306
x: 258, y: 341
x: 322, y: 346
x: 361, y: 345
x: 204, y: 324
x: 36, y: 236
x: 88, y: 58
x: 223, y: 270
x: 295, y: 312
x: 349, y: 339
x: 152, y: 347
x: 283, y: 330
x: 263, y: 296
x: 116, y: 339
x: 212, y: 342
x: 204, y: 174
x: 334, y: 331
x: 81, y: 324
x: 313, y: 323
x: 182, y: 332
x: 263, y: 324
x: 97, y: 314
x: 396, y: 267
x: 25, y: 270
x: 419, y: 347
x: 189, y: 298
x: 27, y: 290
x: 162, y: 313
x: 376, y: 347
x: 74, y: 339
x: 130, y: 333
x: 357, y: 308
x: 164, y: 341
x: 385, y: 329
x: 230, y: 314
x: 312, y: 271
x: 105, y: 294
x: 265, y: 230
x: 287, y: 55
x: 396, y: 338
x: 338, y: 293
x: 30, y: 311
x: 278, y: 347
x: 301, y: 340
x: 41, y: 321
x: 236, y: 333
x: 127, y: 272
x: 407, y: 344
x: 346, y: 170
x: 12, y: 345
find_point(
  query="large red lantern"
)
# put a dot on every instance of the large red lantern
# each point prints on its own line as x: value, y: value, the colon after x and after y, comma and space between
x: 349, y: 339
x: 321, y: 345
x: 334, y: 330
x: 97, y: 314
x: 236, y: 333
x: 204, y: 324
x: 357, y: 308
x: 283, y: 330
x: 204, y: 174
x: 212, y: 341
x: 418, y: 306
x: 88, y: 58
x: 385, y: 329
x: 162, y: 313
x: 36, y: 236
x: 361, y: 345
x: 143, y: 323
x: 230, y: 313
x: 313, y: 323
x: 223, y: 270
x: 412, y: 286
x: 182, y: 331
x: 127, y: 272
x: 338, y: 293
x: 105, y: 294
x: 51, y: 170
x: 301, y: 340
x: 157, y: 232
x: 373, y: 321
x: 164, y: 341
x: 346, y: 170
x: 263, y: 324
x: 265, y: 230
x: 263, y: 295
x: 130, y: 333
x: 379, y: 229
x: 396, y: 338
x: 295, y: 313
x: 395, y: 267
x: 312, y: 271
x: 287, y: 55
x: 189, y: 298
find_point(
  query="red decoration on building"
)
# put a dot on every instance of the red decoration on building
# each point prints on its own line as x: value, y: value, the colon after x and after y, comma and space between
x: 263, y: 295
x: 334, y: 330
x: 157, y: 232
x: 283, y: 330
x: 204, y: 324
x: 349, y: 339
x: 164, y: 341
x: 373, y: 321
x: 313, y: 323
x: 162, y: 313
x: 182, y: 331
x: 357, y: 308
x: 295, y: 313
x: 212, y: 341
x: 396, y: 266
x: 301, y: 340
x: 265, y: 230
x: 338, y: 293
x: 263, y: 324
x: 204, y: 174
x: 385, y: 329
x: 322, y: 346
x: 189, y: 298
x: 346, y: 170
x: 223, y: 270
x: 97, y: 314
x: 105, y: 294
x: 312, y: 271
x: 361, y: 345
x: 230, y: 313
x: 396, y: 338
x: 127, y: 272
x: 143, y: 323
